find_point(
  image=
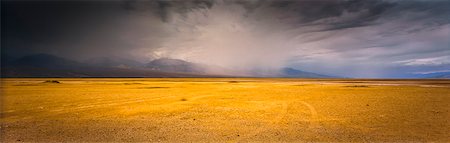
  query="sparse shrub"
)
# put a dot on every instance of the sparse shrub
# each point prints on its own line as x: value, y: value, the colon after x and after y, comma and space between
x: 51, y: 81
x: 183, y: 99
x: 154, y: 87
x: 357, y: 86
x: 233, y: 82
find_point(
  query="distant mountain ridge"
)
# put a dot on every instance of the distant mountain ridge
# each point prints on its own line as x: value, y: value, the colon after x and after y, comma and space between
x: 175, y: 65
x: 291, y: 72
x: 113, y: 62
x: 44, y: 61
x: 45, y: 65
x: 445, y: 75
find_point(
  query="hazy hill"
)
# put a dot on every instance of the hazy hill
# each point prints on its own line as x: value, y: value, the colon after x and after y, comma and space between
x: 438, y: 75
x: 113, y: 62
x: 175, y: 65
x: 291, y: 72
x: 45, y: 65
x: 443, y: 75
x: 44, y: 61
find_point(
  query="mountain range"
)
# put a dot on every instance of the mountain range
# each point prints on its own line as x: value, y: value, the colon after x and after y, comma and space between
x: 45, y: 65
x: 445, y: 75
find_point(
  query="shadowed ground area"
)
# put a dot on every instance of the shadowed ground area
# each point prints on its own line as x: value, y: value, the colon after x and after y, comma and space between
x: 224, y: 110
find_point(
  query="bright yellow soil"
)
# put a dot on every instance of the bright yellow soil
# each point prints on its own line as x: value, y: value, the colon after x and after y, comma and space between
x: 224, y: 110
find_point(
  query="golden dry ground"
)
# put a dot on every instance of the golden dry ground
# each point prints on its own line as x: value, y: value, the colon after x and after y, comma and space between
x: 224, y: 110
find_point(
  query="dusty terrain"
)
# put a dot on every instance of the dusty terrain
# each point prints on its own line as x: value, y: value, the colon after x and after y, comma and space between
x: 224, y: 110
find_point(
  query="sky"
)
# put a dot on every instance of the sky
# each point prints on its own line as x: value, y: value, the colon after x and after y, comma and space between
x: 347, y: 38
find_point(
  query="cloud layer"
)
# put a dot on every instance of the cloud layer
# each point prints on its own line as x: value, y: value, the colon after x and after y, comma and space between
x: 352, y: 38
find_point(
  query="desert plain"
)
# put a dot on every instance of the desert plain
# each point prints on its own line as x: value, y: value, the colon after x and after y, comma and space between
x: 224, y: 110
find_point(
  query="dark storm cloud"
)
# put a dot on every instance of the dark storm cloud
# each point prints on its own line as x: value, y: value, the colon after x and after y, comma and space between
x: 380, y: 36
x: 30, y: 26
x: 76, y: 29
x: 311, y: 11
x: 308, y: 10
x: 315, y: 10
x: 163, y: 8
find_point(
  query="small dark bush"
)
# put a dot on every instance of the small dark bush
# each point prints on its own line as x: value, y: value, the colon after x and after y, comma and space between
x: 51, y: 81
x: 183, y: 99
x: 357, y: 86
x: 154, y: 87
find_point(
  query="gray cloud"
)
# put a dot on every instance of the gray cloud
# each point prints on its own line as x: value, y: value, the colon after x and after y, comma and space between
x: 353, y: 38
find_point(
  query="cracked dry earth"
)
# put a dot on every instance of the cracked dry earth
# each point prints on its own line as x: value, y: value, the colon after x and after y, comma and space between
x: 224, y: 110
